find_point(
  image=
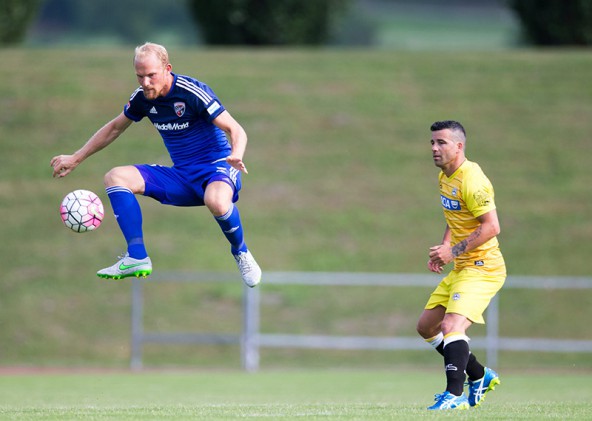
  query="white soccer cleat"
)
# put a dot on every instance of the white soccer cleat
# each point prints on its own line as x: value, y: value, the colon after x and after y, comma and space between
x: 248, y: 267
x: 126, y: 267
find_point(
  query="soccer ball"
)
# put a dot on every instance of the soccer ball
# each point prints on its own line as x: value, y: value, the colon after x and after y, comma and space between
x: 82, y: 211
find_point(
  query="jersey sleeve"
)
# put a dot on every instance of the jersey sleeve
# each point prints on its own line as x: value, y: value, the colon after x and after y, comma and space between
x: 214, y: 109
x: 133, y: 109
x: 478, y: 194
x: 204, y: 100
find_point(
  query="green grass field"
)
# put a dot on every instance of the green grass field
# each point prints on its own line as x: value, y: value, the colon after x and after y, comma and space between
x: 285, y: 395
x: 340, y: 179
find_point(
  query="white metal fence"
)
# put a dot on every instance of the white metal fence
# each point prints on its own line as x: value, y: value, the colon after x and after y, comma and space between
x: 251, y: 339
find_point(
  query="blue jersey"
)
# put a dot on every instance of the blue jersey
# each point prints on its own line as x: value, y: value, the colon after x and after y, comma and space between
x: 184, y: 120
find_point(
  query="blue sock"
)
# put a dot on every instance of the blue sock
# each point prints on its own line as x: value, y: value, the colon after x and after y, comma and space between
x: 232, y: 228
x: 129, y: 217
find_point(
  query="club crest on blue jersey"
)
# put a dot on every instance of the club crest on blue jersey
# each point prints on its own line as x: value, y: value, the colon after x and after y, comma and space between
x: 179, y: 108
x: 449, y: 204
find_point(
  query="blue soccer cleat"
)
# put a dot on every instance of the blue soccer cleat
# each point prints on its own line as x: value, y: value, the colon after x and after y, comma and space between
x: 447, y: 400
x: 479, y: 388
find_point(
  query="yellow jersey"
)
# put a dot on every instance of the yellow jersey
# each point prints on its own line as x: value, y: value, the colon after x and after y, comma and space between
x: 466, y: 195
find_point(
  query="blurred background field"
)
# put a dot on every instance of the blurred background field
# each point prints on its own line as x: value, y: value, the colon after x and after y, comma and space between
x: 340, y: 179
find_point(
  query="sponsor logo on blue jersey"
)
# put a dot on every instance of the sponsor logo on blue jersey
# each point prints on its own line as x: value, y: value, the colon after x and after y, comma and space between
x: 171, y: 126
x: 452, y: 205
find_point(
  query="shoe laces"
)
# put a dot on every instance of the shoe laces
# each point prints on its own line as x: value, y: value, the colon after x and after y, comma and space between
x: 243, y: 261
x: 439, y: 396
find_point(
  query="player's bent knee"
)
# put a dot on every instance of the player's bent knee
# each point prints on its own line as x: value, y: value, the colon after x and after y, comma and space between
x: 423, y: 331
x: 218, y: 208
x: 127, y: 176
x: 428, y: 327
x: 422, y: 328
x: 114, y: 177
x: 218, y: 198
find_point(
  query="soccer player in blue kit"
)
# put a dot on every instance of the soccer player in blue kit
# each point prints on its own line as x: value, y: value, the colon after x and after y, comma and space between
x: 206, y: 145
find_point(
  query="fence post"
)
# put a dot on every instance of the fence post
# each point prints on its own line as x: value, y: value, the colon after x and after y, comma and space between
x: 137, y: 328
x: 492, y: 334
x: 250, y: 336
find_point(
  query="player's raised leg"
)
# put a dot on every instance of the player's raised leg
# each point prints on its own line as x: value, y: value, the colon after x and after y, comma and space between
x: 122, y: 183
x: 218, y: 199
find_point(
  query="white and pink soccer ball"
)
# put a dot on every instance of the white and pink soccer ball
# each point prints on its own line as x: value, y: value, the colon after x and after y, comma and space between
x: 82, y: 211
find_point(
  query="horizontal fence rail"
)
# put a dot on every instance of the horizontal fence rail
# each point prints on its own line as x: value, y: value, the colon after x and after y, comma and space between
x: 251, y: 339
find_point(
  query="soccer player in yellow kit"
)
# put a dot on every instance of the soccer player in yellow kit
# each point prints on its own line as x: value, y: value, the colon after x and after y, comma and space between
x: 479, y: 271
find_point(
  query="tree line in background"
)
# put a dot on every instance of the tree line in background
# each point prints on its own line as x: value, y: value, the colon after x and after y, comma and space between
x: 258, y: 22
x: 15, y: 17
x: 266, y: 22
x: 218, y: 22
x: 555, y: 22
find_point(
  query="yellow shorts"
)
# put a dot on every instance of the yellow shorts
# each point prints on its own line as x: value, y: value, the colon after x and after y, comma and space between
x: 466, y: 292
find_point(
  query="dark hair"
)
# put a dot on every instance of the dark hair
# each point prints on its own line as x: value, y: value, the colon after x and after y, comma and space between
x: 448, y: 124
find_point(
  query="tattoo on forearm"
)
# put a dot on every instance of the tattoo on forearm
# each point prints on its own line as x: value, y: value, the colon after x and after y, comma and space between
x: 461, y: 247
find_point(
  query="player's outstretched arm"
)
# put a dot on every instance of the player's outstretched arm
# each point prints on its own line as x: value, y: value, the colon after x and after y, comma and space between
x: 65, y: 164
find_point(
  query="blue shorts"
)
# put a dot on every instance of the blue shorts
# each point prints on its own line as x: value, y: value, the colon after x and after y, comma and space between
x: 186, y: 187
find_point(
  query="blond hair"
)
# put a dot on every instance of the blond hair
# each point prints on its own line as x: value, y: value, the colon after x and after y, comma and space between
x: 150, y: 48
